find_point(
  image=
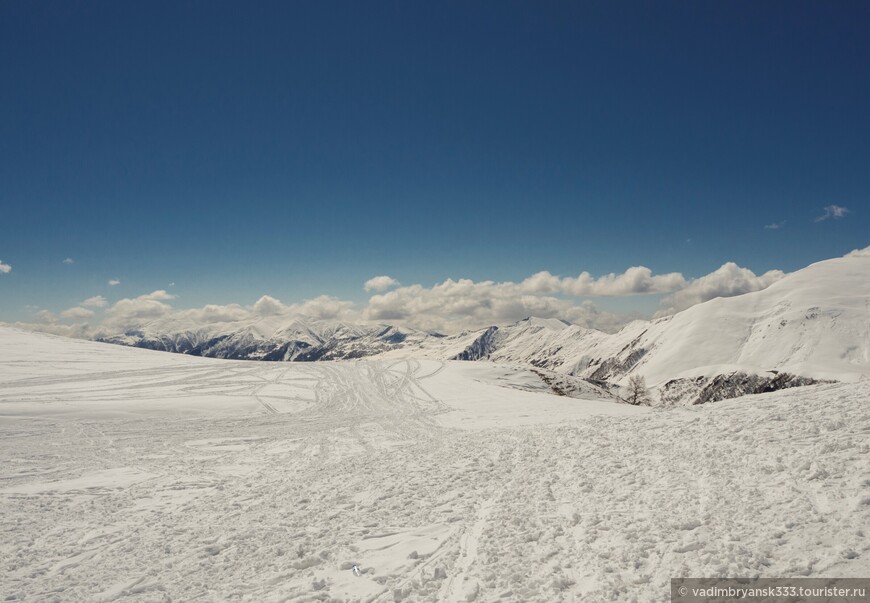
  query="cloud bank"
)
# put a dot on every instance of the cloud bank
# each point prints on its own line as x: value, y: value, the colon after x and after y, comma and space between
x: 97, y: 301
x: 129, y: 313
x: 727, y: 281
x: 446, y: 307
x: 77, y: 313
x: 465, y: 304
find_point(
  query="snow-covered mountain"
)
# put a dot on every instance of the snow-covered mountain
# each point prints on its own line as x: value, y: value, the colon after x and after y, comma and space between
x: 812, y: 325
x: 270, y: 338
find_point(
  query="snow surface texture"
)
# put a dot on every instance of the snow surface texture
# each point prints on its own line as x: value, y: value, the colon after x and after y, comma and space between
x: 813, y: 324
x: 130, y: 475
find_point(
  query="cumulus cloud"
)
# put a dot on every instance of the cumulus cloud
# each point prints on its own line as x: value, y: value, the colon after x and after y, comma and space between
x: 159, y: 295
x: 859, y: 253
x: 5, y: 268
x: 727, y: 281
x: 637, y: 280
x: 78, y: 330
x: 77, y: 313
x: 130, y: 312
x: 833, y: 211
x: 463, y: 303
x: 113, y: 282
x: 268, y: 306
x: 45, y: 317
x: 97, y: 301
x: 213, y: 313
x: 446, y: 307
x: 324, y: 307
x: 380, y: 283
x: 137, y: 312
x: 69, y: 261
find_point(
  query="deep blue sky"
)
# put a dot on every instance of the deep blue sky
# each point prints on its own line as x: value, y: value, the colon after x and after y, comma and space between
x: 299, y: 148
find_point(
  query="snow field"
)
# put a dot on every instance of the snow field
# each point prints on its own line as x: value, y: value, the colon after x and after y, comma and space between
x: 412, y: 471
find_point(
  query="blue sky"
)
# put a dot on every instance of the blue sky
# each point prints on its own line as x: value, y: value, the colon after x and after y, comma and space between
x: 298, y: 149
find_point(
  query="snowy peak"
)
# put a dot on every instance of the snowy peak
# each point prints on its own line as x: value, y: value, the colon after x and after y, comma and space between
x: 813, y: 322
x: 553, y: 324
x: 272, y: 338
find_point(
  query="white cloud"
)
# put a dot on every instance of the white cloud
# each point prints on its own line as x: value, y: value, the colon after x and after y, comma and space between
x: 69, y: 261
x: 159, y: 295
x: 465, y: 304
x: 380, y: 283
x: 213, y: 313
x: 77, y: 313
x: 637, y: 280
x: 324, y: 307
x: 45, y: 317
x: 5, y: 268
x: 113, y: 282
x: 133, y: 312
x: 268, y: 306
x: 774, y: 226
x: 859, y: 253
x: 449, y: 306
x: 833, y: 211
x: 97, y: 301
x: 727, y: 281
x: 78, y: 330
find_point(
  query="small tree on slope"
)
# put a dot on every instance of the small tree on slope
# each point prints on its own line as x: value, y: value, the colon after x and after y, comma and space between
x: 637, y: 392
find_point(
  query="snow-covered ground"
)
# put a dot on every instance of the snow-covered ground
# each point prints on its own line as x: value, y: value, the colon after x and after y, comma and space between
x: 134, y: 475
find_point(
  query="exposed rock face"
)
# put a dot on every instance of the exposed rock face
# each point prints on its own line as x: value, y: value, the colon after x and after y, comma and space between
x: 618, y: 365
x: 702, y: 390
x: 481, y: 347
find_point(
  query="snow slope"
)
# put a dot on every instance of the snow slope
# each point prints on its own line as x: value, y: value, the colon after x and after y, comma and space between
x: 50, y: 376
x: 813, y: 323
x: 438, y: 481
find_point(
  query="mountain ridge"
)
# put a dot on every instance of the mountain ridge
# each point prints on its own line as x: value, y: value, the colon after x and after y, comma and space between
x: 812, y: 325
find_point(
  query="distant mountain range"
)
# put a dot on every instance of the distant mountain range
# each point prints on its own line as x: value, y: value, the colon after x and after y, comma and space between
x: 812, y: 325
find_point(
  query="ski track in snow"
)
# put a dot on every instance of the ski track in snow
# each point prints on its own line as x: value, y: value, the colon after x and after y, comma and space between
x: 332, y: 465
